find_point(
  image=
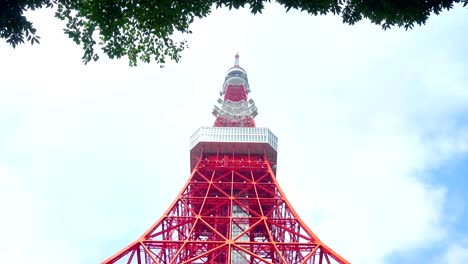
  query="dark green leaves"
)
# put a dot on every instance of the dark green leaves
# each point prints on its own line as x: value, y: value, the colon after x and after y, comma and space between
x: 142, y: 30
x: 14, y: 26
x: 153, y: 30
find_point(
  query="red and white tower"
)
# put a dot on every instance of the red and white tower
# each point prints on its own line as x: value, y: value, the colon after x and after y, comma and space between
x: 231, y: 210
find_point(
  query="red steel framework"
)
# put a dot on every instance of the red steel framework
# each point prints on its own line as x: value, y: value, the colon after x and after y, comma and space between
x: 232, y: 209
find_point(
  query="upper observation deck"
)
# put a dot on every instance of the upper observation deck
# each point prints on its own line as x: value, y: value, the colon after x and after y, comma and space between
x: 233, y: 141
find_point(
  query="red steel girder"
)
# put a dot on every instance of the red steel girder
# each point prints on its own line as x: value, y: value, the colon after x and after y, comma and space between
x: 229, y: 214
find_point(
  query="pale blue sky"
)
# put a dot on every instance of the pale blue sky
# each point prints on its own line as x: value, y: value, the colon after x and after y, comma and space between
x: 372, y: 127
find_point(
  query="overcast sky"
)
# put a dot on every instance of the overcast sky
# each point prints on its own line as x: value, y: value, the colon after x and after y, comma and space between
x: 372, y: 127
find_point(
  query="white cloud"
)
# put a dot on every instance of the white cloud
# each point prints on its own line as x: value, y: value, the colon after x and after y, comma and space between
x: 36, y: 250
x: 359, y: 188
x: 19, y: 210
x: 25, y: 238
x: 362, y: 141
x: 456, y: 253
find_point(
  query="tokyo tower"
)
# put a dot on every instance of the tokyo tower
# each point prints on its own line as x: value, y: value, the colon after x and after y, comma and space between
x: 231, y: 209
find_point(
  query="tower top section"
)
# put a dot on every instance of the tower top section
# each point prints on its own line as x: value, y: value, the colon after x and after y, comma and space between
x: 235, y: 110
x: 236, y: 75
x: 234, y: 131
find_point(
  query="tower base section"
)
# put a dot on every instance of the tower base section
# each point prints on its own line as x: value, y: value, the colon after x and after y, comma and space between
x: 230, y: 211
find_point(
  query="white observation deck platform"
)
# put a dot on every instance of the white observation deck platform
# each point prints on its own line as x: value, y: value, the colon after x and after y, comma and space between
x: 233, y: 140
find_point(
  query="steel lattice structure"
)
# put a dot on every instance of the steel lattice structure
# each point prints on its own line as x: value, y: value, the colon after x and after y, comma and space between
x: 232, y: 209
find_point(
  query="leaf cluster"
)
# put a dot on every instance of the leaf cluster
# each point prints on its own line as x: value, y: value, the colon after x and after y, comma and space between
x: 146, y: 30
x: 142, y: 30
x: 14, y: 26
x: 400, y: 13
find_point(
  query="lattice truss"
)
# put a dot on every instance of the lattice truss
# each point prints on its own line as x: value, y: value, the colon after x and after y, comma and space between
x: 231, y: 210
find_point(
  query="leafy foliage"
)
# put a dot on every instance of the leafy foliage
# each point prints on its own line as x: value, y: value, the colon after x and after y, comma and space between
x: 139, y: 29
x: 14, y: 27
x: 145, y: 30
